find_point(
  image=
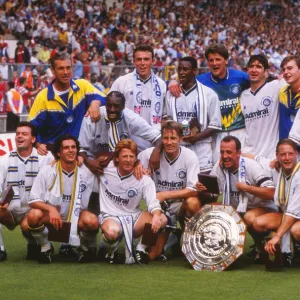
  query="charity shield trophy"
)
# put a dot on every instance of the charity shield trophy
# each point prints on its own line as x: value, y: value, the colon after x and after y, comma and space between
x: 214, y: 238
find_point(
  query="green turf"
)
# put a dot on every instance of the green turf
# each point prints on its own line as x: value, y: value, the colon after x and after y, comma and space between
x: 173, y: 279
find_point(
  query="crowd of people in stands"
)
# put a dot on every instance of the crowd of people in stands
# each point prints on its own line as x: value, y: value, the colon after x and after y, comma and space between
x: 101, y: 39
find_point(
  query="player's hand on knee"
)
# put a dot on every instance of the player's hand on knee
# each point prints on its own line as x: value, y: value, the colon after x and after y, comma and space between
x: 270, y: 246
x: 55, y: 218
x: 156, y: 223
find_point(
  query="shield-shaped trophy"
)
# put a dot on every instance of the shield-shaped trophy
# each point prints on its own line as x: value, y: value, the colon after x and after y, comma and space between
x: 214, y: 238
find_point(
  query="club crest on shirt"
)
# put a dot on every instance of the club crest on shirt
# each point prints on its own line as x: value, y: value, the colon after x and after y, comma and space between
x: 235, y: 89
x: 292, y: 118
x: 266, y: 101
x: 181, y: 173
x: 131, y: 192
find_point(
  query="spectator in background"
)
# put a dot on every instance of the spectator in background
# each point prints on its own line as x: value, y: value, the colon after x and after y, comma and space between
x: 78, y: 67
x: 22, y: 56
x: 3, y: 90
x: 44, y: 55
x: 14, y: 107
x: 4, y: 68
x: 27, y: 74
x: 26, y: 94
x: 95, y: 66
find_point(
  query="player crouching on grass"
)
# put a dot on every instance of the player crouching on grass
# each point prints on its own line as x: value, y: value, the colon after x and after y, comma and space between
x: 61, y: 193
x: 175, y: 181
x: 285, y: 224
x: 120, y: 197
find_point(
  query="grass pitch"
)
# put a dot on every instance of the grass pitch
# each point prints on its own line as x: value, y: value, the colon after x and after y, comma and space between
x: 174, y: 279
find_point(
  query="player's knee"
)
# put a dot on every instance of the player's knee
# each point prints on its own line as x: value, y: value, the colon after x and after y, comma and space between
x: 192, y: 205
x: 112, y: 233
x: 259, y: 224
x: 88, y: 221
x: 34, y: 216
x: 249, y: 219
x: 295, y: 231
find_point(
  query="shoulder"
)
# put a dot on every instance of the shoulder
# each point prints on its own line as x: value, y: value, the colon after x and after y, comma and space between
x: 238, y: 73
x: 188, y: 154
x: 204, y: 78
x: 284, y: 89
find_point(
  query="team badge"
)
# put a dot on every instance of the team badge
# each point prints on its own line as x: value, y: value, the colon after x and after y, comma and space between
x: 139, y: 97
x: 266, y: 101
x: 70, y: 119
x: 292, y: 118
x: 157, y: 107
x: 82, y: 186
x: 131, y: 192
x: 235, y: 89
x: 181, y: 173
x: 98, y: 136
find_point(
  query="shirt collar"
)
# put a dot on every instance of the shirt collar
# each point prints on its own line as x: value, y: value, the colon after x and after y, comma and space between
x: 51, y: 93
x: 217, y: 79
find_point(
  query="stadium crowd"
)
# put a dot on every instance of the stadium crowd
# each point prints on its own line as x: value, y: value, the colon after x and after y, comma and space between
x: 148, y: 139
x: 101, y: 37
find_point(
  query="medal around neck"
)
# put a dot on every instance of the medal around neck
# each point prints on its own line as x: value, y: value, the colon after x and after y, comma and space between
x: 214, y: 238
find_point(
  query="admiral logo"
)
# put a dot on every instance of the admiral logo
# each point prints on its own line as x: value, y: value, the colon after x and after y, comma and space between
x: 183, y: 114
x: 131, y: 192
x: 170, y: 184
x: 66, y: 198
x: 260, y: 113
x: 229, y: 102
x: 102, y: 147
x: 117, y: 199
x: 181, y: 173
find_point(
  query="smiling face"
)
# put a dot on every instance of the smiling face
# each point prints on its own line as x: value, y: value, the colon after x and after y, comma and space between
x: 126, y: 160
x: 68, y: 152
x: 291, y: 72
x: 217, y: 64
x: 257, y: 73
x: 143, y: 61
x: 114, y: 108
x: 186, y: 73
x: 229, y: 155
x: 171, y: 143
x: 287, y: 157
x: 24, y: 139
